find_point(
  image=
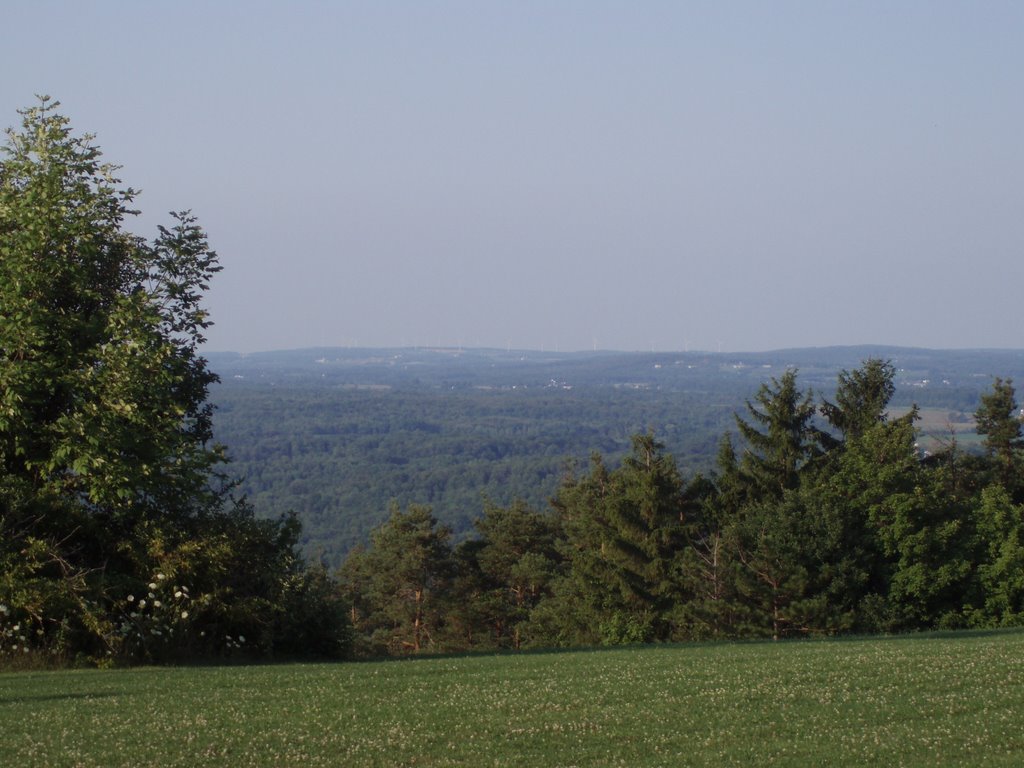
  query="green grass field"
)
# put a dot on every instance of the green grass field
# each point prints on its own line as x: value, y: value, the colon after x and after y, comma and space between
x: 953, y: 699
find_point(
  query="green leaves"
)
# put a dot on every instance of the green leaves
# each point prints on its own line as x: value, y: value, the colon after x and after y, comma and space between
x: 106, y: 459
x: 103, y: 390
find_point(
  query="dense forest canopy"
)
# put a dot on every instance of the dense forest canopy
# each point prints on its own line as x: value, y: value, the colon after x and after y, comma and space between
x: 337, y: 435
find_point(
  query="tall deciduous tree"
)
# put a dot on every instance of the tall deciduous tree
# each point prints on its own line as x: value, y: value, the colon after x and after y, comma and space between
x: 102, y: 391
x: 108, y: 474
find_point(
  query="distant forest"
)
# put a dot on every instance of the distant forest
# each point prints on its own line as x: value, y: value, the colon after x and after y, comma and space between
x: 339, y: 435
x: 822, y: 516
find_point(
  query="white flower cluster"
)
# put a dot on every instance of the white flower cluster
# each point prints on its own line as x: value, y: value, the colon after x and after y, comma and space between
x: 157, y: 616
x: 14, y: 635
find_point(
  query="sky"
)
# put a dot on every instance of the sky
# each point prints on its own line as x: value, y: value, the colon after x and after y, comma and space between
x: 734, y: 176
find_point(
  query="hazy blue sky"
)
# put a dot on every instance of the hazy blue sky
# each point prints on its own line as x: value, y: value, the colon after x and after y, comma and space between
x: 631, y: 175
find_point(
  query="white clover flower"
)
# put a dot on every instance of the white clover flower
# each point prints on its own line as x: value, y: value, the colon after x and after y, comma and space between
x: 160, y: 577
x: 152, y: 585
x: 131, y: 598
x: 3, y: 608
x: 24, y: 648
x: 142, y: 603
x: 203, y: 633
x: 16, y: 627
x: 133, y: 614
x: 184, y: 614
x: 177, y: 593
x: 241, y: 638
x: 156, y: 603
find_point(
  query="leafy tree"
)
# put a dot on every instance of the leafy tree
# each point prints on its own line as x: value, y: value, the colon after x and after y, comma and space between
x: 876, y: 466
x: 108, y: 475
x: 1000, y: 525
x: 103, y: 391
x: 921, y: 517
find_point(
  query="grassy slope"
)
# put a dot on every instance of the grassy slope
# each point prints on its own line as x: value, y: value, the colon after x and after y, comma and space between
x: 926, y: 700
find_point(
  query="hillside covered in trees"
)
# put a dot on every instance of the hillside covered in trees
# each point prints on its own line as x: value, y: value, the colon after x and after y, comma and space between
x: 338, y: 435
x: 820, y: 517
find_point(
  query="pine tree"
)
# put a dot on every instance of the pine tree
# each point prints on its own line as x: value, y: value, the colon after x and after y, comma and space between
x: 998, y: 419
x: 401, y: 582
x: 514, y: 562
x: 623, y: 544
x: 862, y: 397
x: 789, y: 440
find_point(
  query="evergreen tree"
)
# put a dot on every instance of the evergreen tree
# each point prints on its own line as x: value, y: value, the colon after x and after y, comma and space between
x: 862, y: 397
x: 709, y: 608
x: 998, y: 419
x: 509, y: 570
x: 401, y: 582
x: 781, y: 546
x: 789, y: 440
x: 624, y: 539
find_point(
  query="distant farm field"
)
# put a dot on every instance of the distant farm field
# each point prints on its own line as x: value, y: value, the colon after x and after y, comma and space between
x: 939, y: 428
x: 953, y: 699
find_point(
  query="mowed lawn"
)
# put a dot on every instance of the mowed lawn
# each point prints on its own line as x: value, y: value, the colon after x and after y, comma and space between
x: 946, y: 699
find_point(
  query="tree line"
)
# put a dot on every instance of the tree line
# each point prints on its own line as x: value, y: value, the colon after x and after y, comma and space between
x: 821, y: 517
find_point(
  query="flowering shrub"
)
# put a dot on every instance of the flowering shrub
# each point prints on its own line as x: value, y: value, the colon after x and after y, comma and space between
x: 156, y: 621
x: 15, y: 635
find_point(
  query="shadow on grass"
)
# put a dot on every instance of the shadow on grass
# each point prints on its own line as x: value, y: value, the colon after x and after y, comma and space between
x: 723, y: 643
x: 795, y: 640
x: 29, y: 698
